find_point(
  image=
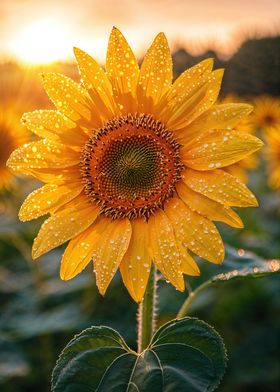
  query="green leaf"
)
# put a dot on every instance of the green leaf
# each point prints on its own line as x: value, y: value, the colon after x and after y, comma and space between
x: 184, y: 355
x: 238, y: 264
x: 84, y: 360
x: 243, y: 265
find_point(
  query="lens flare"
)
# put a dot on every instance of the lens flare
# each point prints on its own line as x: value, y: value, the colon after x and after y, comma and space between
x: 43, y: 41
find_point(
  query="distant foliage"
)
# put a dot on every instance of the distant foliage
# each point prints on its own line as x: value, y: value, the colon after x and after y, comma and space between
x: 252, y: 70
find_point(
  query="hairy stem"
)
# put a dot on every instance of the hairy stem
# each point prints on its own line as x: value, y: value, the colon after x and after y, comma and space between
x: 147, y: 312
x: 191, y: 297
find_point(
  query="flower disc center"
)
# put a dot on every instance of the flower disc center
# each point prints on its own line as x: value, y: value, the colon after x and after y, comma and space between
x: 130, y: 166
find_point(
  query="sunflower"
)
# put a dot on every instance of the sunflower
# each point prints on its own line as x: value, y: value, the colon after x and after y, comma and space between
x: 12, y: 135
x: 240, y: 168
x: 272, y: 154
x: 133, y: 167
x: 266, y: 112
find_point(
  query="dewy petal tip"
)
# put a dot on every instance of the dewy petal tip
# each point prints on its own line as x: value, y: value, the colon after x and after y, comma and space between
x: 115, y: 31
x: 34, y: 254
x: 76, y: 50
x: 250, y: 107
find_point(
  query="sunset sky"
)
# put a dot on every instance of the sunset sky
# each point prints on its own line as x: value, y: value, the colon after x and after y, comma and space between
x: 38, y: 31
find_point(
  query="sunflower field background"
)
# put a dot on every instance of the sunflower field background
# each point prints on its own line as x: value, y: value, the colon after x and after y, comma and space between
x: 40, y: 313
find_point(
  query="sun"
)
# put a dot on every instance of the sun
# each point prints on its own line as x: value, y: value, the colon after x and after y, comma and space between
x: 43, y: 41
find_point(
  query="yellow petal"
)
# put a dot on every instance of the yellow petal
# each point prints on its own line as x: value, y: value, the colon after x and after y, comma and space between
x: 219, y: 148
x: 185, y: 87
x: 42, y: 155
x: 196, y: 232
x: 207, y: 207
x: 184, y: 84
x: 221, y: 187
x: 224, y: 116
x: 56, y: 176
x: 93, y: 76
x: 164, y: 249
x: 69, y: 98
x: 96, y: 81
x: 114, y: 237
x: 64, y: 225
x: 250, y: 162
x: 78, y: 253
x: 155, y: 75
x: 45, y: 199
x: 189, y: 266
x: 47, y: 123
x: 53, y: 125
x: 238, y: 171
x: 136, y: 264
x: 197, y: 102
x: 122, y: 69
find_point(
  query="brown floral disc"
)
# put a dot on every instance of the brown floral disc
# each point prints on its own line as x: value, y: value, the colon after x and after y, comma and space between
x: 130, y: 166
x: 269, y: 119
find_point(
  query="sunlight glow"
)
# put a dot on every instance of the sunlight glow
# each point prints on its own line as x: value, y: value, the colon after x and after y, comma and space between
x: 43, y: 41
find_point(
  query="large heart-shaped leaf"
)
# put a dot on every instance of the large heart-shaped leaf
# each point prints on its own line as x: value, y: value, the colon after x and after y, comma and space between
x: 184, y: 355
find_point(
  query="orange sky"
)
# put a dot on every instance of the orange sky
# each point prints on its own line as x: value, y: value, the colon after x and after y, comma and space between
x: 46, y: 30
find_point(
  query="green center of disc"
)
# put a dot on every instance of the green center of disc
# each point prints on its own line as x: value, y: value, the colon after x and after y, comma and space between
x: 129, y: 167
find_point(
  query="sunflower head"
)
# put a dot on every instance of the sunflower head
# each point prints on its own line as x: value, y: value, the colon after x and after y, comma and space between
x: 12, y: 135
x: 266, y: 113
x: 272, y: 154
x: 133, y: 166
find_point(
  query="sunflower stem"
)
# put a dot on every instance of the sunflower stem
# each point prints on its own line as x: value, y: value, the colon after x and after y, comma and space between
x: 191, y: 297
x: 147, y: 312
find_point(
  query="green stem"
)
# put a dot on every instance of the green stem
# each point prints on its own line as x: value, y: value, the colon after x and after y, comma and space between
x: 147, y: 313
x: 191, y: 297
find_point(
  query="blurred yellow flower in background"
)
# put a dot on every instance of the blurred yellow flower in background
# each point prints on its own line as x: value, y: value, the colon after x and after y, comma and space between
x: 240, y: 169
x: 266, y: 112
x: 272, y: 154
x: 12, y: 135
x: 133, y: 166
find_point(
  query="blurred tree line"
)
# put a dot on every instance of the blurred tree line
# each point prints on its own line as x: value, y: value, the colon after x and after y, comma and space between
x: 254, y: 69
